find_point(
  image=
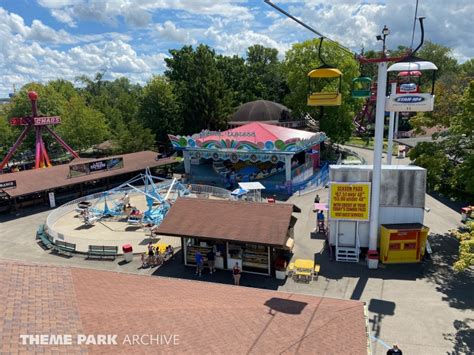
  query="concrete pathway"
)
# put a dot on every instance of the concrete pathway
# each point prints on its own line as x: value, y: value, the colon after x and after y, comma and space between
x: 426, y: 308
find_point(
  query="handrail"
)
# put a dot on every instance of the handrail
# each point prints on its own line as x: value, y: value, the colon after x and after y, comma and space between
x: 66, y: 208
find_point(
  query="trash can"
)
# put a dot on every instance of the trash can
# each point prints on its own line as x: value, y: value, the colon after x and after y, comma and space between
x: 372, y: 259
x: 127, y: 252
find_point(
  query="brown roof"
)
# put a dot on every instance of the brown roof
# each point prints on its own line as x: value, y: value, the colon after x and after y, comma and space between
x: 205, y: 318
x: 263, y: 223
x: 36, y: 180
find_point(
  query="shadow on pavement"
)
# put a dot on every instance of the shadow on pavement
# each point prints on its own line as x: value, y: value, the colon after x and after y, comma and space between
x: 457, y: 287
x: 176, y: 269
x: 28, y: 211
x: 463, y: 339
x: 454, y: 205
x: 380, y: 309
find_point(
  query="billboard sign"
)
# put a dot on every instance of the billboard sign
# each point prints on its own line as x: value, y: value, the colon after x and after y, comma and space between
x: 95, y: 166
x: 7, y: 185
x: 349, y: 201
x: 412, y: 102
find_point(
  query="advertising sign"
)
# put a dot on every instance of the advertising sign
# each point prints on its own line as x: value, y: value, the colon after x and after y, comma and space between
x: 43, y: 121
x: 7, y: 184
x: 37, y: 121
x: 349, y: 201
x: 412, y: 102
x: 96, y: 166
x: 52, y: 200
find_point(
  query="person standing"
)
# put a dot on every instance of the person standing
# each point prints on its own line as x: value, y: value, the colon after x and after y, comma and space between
x: 150, y: 252
x: 211, y: 260
x: 199, y: 262
x: 394, y: 350
x: 236, y: 271
x: 316, y: 199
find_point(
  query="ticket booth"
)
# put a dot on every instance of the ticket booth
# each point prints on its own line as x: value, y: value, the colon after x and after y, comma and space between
x: 402, y: 243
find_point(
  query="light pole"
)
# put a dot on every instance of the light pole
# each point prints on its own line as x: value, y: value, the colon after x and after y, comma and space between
x: 390, y: 129
x: 378, y: 147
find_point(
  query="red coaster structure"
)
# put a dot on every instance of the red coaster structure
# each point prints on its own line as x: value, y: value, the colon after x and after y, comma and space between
x: 38, y: 123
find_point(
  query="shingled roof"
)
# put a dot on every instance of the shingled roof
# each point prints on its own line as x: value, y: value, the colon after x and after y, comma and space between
x: 262, y: 223
x: 206, y: 318
x: 37, y: 180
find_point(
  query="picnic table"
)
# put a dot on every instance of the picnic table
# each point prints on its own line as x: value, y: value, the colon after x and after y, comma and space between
x: 304, y: 270
x: 161, y: 247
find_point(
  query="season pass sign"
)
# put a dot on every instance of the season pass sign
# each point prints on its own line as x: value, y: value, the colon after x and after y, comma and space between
x: 350, y: 201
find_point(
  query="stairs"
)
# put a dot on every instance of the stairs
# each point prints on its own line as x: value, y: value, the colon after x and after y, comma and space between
x: 347, y: 254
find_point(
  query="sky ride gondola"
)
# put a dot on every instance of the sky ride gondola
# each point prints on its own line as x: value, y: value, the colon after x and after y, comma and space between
x: 361, y: 87
x: 331, y: 77
x: 412, y: 66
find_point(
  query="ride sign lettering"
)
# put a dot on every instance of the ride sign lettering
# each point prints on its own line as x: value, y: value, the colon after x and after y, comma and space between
x: 349, y: 201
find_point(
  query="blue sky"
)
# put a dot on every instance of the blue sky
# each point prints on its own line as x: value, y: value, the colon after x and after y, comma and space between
x: 42, y: 40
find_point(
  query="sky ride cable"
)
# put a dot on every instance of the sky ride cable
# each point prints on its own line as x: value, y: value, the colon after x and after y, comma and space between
x: 414, y: 26
x: 347, y: 50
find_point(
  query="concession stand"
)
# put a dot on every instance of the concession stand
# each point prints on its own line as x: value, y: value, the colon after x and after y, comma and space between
x: 255, y: 235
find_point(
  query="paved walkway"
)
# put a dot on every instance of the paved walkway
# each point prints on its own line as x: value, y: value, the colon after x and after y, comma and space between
x: 426, y: 308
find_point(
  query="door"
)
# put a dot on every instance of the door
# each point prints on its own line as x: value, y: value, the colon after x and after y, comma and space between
x: 347, y: 233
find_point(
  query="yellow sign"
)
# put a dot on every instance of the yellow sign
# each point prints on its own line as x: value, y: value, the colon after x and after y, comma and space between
x: 350, y: 201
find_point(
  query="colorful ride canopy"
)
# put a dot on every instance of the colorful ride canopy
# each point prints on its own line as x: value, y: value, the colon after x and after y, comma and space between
x: 252, y: 137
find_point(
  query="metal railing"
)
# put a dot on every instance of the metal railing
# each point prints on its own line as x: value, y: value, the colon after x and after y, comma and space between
x: 201, y: 191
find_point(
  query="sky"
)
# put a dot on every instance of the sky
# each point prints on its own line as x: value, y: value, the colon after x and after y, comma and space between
x: 42, y: 40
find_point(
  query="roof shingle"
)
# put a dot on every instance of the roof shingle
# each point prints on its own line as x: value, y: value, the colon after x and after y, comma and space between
x: 36, y: 180
x: 262, y: 223
x: 207, y: 318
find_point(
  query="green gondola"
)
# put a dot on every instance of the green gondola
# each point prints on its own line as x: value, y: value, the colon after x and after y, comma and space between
x: 361, y: 87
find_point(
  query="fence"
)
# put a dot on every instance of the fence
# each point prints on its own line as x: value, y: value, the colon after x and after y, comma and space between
x: 202, y: 191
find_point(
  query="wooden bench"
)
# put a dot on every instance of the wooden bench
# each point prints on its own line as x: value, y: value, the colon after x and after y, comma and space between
x: 64, y: 247
x: 102, y: 251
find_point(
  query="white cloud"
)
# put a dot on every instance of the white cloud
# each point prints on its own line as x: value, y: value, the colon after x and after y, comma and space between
x: 169, y: 31
x: 138, y: 12
x: 26, y: 55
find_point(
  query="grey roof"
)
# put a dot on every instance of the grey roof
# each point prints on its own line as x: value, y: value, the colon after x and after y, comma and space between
x: 261, y: 110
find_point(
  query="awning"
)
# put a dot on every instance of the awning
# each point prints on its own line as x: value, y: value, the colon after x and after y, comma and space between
x: 321, y: 206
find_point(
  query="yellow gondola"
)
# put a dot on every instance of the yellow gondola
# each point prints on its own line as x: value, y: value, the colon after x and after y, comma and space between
x: 325, y: 98
x: 328, y: 76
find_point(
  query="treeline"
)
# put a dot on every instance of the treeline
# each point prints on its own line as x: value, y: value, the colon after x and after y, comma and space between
x: 450, y: 160
x: 200, y: 89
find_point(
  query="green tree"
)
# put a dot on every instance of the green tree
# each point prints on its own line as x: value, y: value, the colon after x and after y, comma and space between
x: 440, y: 55
x: 468, y: 68
x: 6, y: 136
x: 235, y: 76
x: 450, y: 162
x: 265, y: 78
x: 433, y: 158
x: 133, y: 138
x: 159, y: 109
x: 466, y: 248
x: 82, y: 126
x: 203, y: 95
x: 336, y: 122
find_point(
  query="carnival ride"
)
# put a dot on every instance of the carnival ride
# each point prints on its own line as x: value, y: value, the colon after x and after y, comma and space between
x: 159, y: 195
x: 37, y: 122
